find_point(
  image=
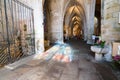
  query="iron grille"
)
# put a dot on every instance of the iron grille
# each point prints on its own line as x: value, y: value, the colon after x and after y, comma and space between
x: 17, y: 39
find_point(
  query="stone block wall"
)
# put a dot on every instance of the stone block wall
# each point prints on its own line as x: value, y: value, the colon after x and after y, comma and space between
x: 110, y: 29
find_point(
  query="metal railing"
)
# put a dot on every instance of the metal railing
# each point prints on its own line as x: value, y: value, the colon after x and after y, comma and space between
x: 17, y: 38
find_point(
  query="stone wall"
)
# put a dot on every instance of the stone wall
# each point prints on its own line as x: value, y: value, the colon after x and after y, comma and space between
x: 110, y: 29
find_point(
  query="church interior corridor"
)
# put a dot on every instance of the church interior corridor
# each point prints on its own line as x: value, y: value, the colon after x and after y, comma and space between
x: 59, y: 39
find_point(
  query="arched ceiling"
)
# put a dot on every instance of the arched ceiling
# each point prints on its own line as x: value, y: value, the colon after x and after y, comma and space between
x: 76, y: 18
x: 74, y: 9
x: 74, y: 15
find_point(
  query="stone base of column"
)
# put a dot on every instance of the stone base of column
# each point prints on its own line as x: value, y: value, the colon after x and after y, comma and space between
x: 89, y: 41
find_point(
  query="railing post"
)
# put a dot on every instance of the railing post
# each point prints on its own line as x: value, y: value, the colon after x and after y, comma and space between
x: 7, y: 22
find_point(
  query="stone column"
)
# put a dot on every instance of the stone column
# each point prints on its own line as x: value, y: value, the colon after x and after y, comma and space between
x: 90, y: 19
x: 56, y: 29
x: 85, y: 30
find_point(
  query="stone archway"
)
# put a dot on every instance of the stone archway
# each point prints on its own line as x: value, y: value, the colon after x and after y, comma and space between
x: 74, y: 15
x: 59, y: 12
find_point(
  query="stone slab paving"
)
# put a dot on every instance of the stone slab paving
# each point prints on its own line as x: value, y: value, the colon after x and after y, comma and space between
x: 82, y: 67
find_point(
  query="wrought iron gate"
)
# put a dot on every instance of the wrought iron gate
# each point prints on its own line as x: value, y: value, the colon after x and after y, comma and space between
x: 17, y: 38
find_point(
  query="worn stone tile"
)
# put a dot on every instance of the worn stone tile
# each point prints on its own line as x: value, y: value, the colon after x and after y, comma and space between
x: 88, y: 76
x: 68, y: 77
x: 71, y: 69
x: 81, y: 68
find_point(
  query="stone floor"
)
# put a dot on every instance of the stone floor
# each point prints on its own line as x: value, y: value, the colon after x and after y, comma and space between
x: 81, y: 66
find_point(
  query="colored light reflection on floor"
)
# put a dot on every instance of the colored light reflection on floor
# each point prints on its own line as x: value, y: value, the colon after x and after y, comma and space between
x: 64, y: 54
x: 60, y: 53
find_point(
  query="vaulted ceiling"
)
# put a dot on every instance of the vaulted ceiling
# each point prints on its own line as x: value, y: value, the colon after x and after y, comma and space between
x: 74, y: 15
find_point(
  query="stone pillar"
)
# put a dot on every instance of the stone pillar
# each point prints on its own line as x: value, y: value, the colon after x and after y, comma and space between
x: 90, y: 20
x: 56, y: 28
x: 85, y: 31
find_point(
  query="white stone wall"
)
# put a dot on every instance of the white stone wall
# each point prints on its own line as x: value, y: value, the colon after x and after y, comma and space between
x: 38, y: 23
